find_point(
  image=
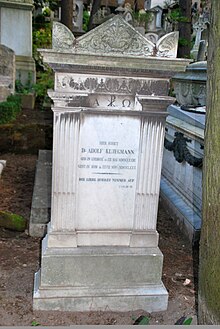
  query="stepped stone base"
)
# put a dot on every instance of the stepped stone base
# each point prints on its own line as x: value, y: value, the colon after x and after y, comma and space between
x: 100, y: 278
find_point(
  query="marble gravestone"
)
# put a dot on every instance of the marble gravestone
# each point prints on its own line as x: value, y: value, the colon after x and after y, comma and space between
x: 110, y: 98
x: 16, y: 33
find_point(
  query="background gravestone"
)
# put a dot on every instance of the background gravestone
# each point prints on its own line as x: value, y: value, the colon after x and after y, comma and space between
x: 7, y: 72
x: 101, y: 250
x: 16, y: 33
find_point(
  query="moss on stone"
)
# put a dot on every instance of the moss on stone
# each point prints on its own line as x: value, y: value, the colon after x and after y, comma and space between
x: 12, y: 221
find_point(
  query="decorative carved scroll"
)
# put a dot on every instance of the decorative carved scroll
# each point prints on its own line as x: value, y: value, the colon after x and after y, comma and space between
x: 115, y: 37
x: 62, y: 38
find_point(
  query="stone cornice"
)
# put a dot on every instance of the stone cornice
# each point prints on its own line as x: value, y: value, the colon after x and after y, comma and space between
x: 25, y: 4
x: 66, y: 62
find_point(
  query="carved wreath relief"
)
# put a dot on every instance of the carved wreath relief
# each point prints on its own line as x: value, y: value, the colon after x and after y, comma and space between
x: 112, y: 85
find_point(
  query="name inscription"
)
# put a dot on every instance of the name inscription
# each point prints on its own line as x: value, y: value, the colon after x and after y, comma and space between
x: 108, y: 163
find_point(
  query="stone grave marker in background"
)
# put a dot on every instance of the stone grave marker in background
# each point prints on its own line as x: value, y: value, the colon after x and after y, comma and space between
x: 110, y: 98
x: 7, y: 72
x: 16, y: 33
x: 181, y: 183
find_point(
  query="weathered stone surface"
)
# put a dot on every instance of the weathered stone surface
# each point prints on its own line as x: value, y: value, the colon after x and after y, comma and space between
x: 181, y: 184
x: 7, y: 72
x: 41, y: 200
x: 16, y: 33
x: 190, y: 86
x: 101, y: 278
x: 110, y: 99
x: 114, y: 37
x: 12, y: 221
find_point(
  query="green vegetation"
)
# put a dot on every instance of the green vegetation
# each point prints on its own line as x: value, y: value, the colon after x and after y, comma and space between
x: 12, y: 221
x: 35, y: 324
x: 45, y: 81
x: 142, y: 17
x: 26, y: 88
x: 85, y: 20
x: 10, y: 109
x: 42, y: 38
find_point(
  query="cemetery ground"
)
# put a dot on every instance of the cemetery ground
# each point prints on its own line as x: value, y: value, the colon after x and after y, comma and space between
x: 20, y: 258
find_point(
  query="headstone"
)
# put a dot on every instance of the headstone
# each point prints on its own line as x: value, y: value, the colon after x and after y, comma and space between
x: 78, y: 16
x: 110, y: 98
x: 16, y: 33
x: 202, y: 51
x: 159, y: 12
x: 198, y: 28
x: 181, y: 181
x: 7, y: 72
x: 190, y: 86
x: 151, y: 23
x: 154, y: 27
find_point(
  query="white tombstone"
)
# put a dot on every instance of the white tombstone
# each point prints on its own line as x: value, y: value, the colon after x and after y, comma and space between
x: 110, y: 98
x: 78, y: 16
x: 16, y: 33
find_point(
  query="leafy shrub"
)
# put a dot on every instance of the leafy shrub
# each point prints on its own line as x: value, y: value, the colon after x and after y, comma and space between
x: 86, y: 17
x: 10, y: 109
x: 26, y: 88
x: 45, y: 81
x: 42, y: 38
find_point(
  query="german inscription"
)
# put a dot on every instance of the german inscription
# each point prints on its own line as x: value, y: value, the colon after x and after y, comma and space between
x: 107, y: 163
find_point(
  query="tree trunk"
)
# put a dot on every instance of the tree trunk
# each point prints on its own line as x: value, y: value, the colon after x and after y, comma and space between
x: 67, y: 13
x: 209, y: 270
x: 95, y: 7
x: 185, y: 29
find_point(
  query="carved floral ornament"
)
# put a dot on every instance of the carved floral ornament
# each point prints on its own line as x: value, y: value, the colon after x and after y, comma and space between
x: 115, y: 37
x: 193, y: 94
x: 111, y: 85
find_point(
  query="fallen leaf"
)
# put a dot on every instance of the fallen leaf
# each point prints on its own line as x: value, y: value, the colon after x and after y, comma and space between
x: 186, y: 282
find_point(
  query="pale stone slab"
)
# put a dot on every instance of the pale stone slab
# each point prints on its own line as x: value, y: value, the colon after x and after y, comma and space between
x: 181, y: 185
x: 16, y: 30
x: 107, y: 172
x: 101, y: 278
x: 110, y: 99
x: 41, y: 200
x: 16, y: 33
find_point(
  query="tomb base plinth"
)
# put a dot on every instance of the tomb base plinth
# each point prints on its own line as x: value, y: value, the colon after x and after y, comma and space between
x: 100, y: 278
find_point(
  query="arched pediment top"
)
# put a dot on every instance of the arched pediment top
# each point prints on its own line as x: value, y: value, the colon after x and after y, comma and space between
x: 114, y: 37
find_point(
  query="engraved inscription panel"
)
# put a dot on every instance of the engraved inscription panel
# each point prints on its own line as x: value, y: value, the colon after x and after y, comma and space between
x: 107, y: 171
